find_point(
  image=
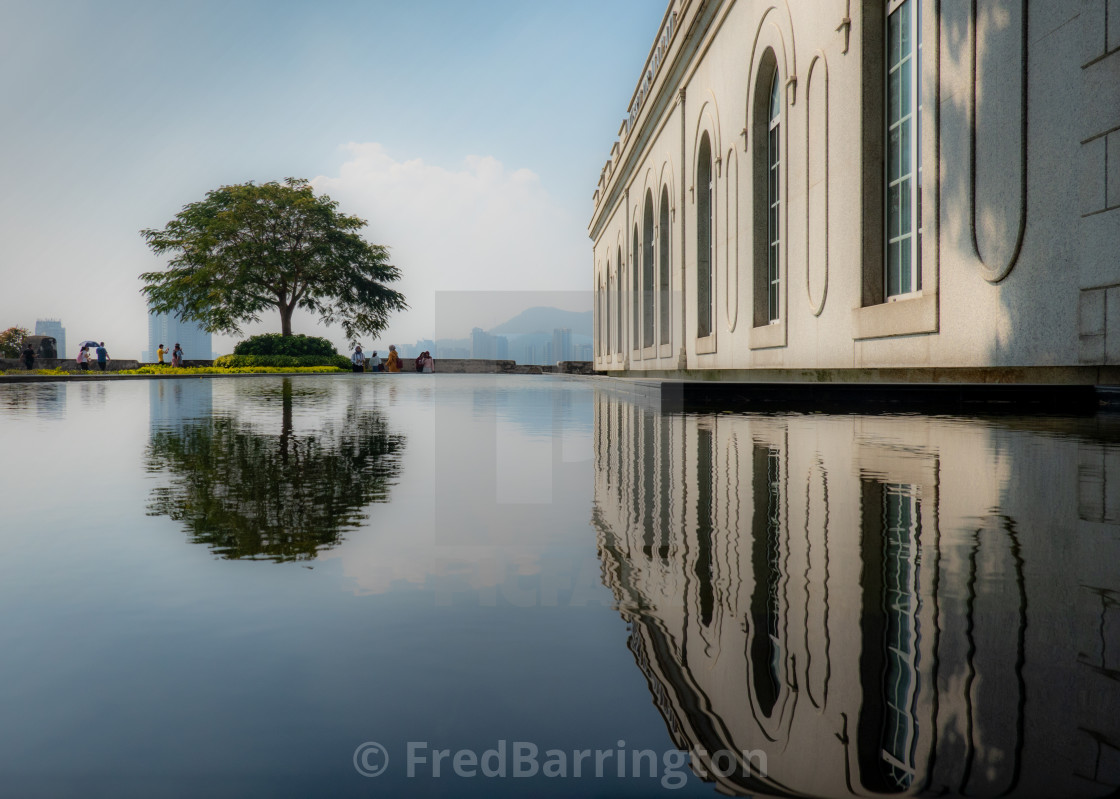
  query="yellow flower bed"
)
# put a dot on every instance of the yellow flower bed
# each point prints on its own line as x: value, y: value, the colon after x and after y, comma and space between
x: 168, y: 370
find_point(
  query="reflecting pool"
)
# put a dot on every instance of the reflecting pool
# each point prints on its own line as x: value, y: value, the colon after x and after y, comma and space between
x: 457, y: 585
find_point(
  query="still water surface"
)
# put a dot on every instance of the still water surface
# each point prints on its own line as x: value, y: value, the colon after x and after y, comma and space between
x: 227, y: 587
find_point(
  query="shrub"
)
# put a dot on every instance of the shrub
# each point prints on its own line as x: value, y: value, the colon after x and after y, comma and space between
x: 276, y: 344
x: 11, y: 341
x: 238, y: 361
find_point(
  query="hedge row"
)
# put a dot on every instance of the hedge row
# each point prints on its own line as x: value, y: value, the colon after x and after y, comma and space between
x: 237, y: 361
x: 293, y: 346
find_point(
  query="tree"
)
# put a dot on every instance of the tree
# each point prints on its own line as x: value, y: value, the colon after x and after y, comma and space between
x: 246, y: 248
x: 11, y: 341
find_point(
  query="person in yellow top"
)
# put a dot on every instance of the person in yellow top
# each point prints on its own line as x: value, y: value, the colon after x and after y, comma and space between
x: 393, y: 362
x: 159, y: 354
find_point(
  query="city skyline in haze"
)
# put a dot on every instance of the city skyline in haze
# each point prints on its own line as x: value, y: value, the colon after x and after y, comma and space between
x: 469, y: 137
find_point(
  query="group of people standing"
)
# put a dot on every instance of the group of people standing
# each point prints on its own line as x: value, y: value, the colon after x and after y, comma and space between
x: 101, y: 353
x: 392, y: 364
x: 176, y: 356
x: 27, y: 355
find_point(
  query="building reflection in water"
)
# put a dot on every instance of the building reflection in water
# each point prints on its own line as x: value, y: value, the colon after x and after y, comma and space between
x: 277, y: 471
x: 883, y: 605
x: 44, y: 400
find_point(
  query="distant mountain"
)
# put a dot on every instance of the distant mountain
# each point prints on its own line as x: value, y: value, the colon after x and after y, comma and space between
x: 545, y: 320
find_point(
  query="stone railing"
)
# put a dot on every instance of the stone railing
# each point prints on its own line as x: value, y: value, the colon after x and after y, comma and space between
x: 480, y: 366
x: 68, y: 364
x: 652, y: 65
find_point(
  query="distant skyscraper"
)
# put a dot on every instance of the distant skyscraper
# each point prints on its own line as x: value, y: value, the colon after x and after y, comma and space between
x: 562, y: 344
x: 53, y: 327
x: 167, y: 330
x: 482, y: 344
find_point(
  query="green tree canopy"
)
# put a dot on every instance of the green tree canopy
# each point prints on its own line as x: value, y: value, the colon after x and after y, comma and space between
x: 11, y: 341
x: 247, y: 248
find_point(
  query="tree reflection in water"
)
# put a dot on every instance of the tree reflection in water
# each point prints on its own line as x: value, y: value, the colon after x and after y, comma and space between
x: 249, y: 494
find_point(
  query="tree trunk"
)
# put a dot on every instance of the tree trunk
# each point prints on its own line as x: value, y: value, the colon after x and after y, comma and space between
x: 285, y: 321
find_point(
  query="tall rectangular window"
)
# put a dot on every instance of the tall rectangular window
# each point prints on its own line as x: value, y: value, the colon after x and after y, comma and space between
x: 903, y: 255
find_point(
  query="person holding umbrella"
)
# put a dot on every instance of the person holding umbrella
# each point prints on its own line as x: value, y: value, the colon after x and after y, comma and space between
x: 83, y: 353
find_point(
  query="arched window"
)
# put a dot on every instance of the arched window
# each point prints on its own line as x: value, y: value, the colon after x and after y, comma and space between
x: 704, y: 239
x: 618, y: 303
x: 647, y: 271
x: 635, y: 292
x: 607, y: 314
x: 663, y: 264
x: 600, y: 305
x: 773, y: 201
x: 766, y: 188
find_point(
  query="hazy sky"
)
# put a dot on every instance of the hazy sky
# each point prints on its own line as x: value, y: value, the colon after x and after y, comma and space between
x: 469, y: 134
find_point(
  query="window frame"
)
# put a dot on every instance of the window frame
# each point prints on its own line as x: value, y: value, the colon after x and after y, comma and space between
x: 664, y: 267
x: 636, y: 294
x: 705, y: 234
x: 908, y: 282
x: 607, y: 311
x: 619, y: 303
x: 916, y: 313
x: 774, y: 203
x: 649, y: 318
x: 768, y: 265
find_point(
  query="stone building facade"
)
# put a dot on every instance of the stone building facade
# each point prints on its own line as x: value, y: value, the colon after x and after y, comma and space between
x: 826, y: 189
